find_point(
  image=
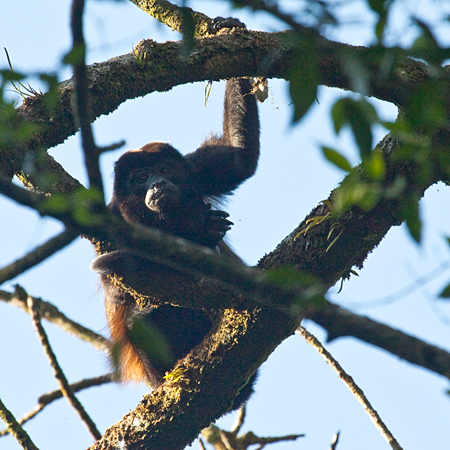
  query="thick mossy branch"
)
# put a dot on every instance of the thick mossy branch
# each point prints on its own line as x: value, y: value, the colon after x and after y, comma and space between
x: 246, y: 333
x: 245, y: 336
x: 159, y: 67
x: 249, y: 335
x: 173, y: 15
x: 358, y: 232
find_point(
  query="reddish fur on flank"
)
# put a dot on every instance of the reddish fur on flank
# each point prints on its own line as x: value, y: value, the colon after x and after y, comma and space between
x: 130, y: 365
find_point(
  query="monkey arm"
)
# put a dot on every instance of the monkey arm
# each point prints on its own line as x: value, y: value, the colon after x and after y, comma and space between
x: 224, y: 163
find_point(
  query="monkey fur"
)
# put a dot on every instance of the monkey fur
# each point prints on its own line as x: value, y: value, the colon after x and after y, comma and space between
x: 158, y: 187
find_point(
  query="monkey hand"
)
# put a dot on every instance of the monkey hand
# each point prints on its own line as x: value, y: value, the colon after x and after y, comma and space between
x: 216, y: 226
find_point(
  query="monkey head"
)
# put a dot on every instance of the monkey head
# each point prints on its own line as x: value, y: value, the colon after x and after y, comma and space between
x: 156, y: 186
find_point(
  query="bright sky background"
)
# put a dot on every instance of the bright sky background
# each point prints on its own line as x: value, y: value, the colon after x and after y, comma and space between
x: 296, y: 392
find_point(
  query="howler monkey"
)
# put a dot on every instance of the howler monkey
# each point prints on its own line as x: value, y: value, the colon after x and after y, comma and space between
x: 158, y: 187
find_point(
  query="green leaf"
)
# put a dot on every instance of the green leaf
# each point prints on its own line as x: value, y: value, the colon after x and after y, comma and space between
x: 57, y: 203
x: 426, y: 46
x: 151, y: 342
x: 356, y: 191
x: 303, y: 79
x: 338, y: 115
x: 377, y: 6
x: 337, y: 158
x: 76, y: 55
x: 411, y: 213
x: 427, y: 107
x: 360, y: 124
x: 313, y: 290
x: 289, y: 276
x: 381, y: 8
x: 10, y: 75
x: 374, y: 166
x: 359, y: 115
x: 445, y: 293
x: 52, y: 96
x: 84, y: 206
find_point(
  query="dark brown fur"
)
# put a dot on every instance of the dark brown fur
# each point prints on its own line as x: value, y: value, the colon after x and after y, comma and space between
x: 158, y: 187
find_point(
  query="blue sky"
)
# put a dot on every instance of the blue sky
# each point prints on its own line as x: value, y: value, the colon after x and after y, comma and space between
x: 296, y: 391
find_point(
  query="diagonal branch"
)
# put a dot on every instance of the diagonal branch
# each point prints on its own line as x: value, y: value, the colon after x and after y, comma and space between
x: 47, y: 399
x: 51, y: 313
x: 354, y: 388
x: 15, y: 428
x: 59, y: 374
x: 340, y: 322
x: 38, y: 255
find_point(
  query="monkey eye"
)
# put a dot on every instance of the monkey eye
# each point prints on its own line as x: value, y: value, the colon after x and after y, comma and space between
x: 140, y: 177
x: 164, y: 170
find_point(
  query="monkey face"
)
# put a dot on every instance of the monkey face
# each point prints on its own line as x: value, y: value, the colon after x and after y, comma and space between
x: 162, y: 195
x: 159, y: 186
x: 159, y: 189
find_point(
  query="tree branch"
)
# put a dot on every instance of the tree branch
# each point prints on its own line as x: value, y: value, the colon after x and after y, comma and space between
x: 51, y: 313
x: 173, y: 15
x: 175, y: 253
x: 58, y: 372
x: 350, y: 383
x: 359, y: 231
x: 247, y: 336
x: 46, y: 399
x: 157, y: 67
x: 15, y: 428
x: 38, y: 255
x: 340, y: 322
x: 82, y: 100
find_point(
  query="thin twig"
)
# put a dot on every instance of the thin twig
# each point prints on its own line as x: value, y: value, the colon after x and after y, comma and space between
x: 15, y: 428
x: 350, y: 383
x: 335, y: 441
x: 340, y: 322
x: 112, y: 147
x: 405, y: 291
x: 222, y: 439
x: 59, y: 374
x: 46, y: 399
x: 81, y: 104
x: 239, y: 420
x: 272, y: 9
x: 37, y: 255
x: 51, y: 313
